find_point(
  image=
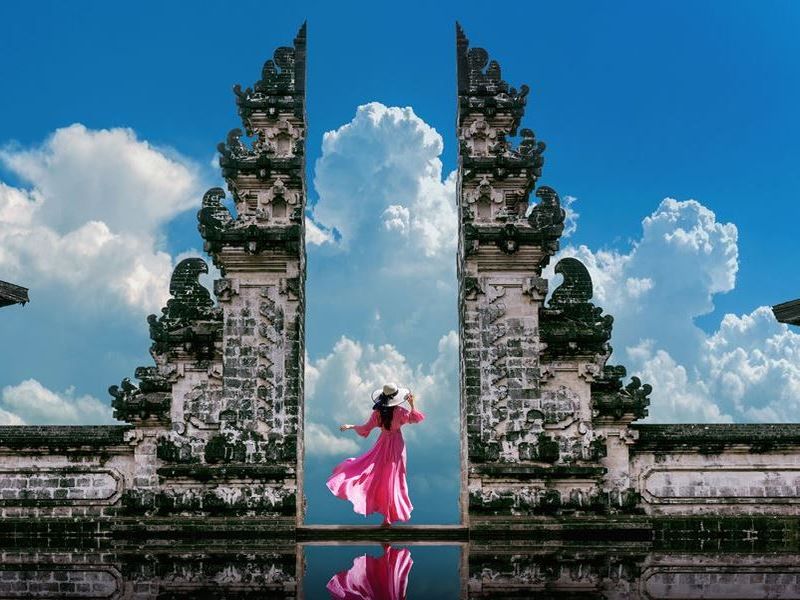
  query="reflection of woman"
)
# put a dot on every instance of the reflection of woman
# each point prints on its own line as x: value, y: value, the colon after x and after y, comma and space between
x: 376, y: 480
x: 371, y: 578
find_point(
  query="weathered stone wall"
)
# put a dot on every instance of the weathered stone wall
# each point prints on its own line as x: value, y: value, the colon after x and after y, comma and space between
x: 630, y: 573
x: 131, y: 575
x: 717, y: 469
x: 64, y: 471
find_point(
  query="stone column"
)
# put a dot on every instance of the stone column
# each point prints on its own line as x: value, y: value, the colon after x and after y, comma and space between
x: 261, y: 255
x: 529, y: 448
x: 219, y: 419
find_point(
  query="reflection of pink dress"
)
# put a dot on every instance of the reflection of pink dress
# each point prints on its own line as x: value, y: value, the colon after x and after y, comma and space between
x: 376, y: 480
x: 370, y: 578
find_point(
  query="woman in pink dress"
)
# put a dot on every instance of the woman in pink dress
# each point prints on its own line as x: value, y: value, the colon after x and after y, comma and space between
x: 376, y: 480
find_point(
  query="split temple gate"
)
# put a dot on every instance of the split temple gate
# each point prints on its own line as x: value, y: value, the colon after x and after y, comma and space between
x: 214, y: 434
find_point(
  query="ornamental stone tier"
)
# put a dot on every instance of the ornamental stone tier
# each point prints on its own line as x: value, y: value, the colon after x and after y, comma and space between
x: 214, y: 426
x: 12, y: 294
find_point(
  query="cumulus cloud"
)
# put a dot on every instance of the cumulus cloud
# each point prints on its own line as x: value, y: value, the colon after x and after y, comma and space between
x: 317, y: 235
x: 32, y: 403
x: 383, y: 168
x: 746, y: 370
x: 321, y: 442
x: 90, y: 220
x: 390, y: 221
x: 338, y: 388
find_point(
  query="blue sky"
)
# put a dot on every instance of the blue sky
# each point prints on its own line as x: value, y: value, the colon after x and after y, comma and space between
x: 637, y: 103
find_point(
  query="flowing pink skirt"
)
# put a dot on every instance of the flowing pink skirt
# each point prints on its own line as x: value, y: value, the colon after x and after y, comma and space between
x: 375, y: 482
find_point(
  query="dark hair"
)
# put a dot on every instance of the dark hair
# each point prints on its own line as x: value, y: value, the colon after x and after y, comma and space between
x: 386, y: 412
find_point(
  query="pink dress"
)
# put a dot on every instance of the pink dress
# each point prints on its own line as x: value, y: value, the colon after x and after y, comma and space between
x: 370, y: 578
x: 376, y: 480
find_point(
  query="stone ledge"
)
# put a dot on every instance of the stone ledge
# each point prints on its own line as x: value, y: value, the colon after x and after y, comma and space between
x: 516, y: 471
x: 202, y: 528
x: 352, y: 533
x: 226, y: 472
x: 62, y: 437
x: 623, y: 528
x: 760, y: 437
x: 12, y: 294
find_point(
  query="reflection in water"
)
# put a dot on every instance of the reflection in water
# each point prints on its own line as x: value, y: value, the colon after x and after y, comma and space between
x: 374, y: 578
x: 228, y: 569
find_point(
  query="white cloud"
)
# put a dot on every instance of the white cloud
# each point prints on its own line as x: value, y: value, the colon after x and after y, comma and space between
x: 397, y: 218
x: 319, y: 441
x: 747, y: 370
x: 383, y: 167
x: 570, y: 216
x: 338, y: 388
x: 31, y: 403
x: 91, y: 219
x: 9, y: 418
x: 677, y: 396
x: 392, y: 224
x: 316, y: 235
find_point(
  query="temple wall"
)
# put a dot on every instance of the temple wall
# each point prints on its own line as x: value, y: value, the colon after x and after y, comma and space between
x: 717, y: 469
x: 49, y: 472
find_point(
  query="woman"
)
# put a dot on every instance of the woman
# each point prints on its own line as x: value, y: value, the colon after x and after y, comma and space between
x: 376, y: 480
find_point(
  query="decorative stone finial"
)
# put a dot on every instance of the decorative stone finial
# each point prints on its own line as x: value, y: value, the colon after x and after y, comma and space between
x: 571, y: 324
x: 282, y: 84
x: 611, y: 401
x: 481, y: 87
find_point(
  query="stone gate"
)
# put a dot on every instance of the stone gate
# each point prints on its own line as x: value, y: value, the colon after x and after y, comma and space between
x: 215, y: 425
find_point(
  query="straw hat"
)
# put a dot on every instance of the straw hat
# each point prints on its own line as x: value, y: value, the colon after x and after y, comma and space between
x: 397, y: 395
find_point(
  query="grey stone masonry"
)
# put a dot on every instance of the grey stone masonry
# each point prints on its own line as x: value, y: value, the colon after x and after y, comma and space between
x: 533, y: 442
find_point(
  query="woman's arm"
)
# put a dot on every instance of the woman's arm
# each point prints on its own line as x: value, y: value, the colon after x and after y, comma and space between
x: 414, y: 415
x: 363, y: 430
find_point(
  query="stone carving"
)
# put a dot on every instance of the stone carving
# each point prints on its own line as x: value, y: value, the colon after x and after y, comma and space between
x: 189, y: 325
x: 230, y: 384
x: 189, y: 320
x: 547, y: 217
x: 149, y: 401
x: 611, y: 400
x: 522, y: 436
x: 571, y: 324
x: 484, y: 190
x: 481, y: 87
x: 213, y: 217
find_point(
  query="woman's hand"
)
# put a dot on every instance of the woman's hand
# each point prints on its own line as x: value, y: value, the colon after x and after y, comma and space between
x: 345, y: 427
x: 410, y: 399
